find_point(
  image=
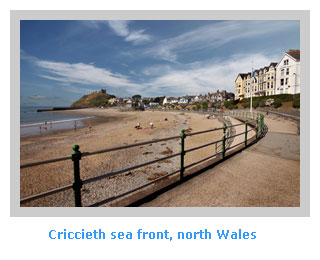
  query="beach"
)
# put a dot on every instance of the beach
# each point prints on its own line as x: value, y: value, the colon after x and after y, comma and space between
x: 112, y: 128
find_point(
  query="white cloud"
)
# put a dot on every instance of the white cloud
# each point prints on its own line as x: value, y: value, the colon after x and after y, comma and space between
x: 83, y: 74
x: 213, y: 36
x: 207, y: 77
x: 193, y: 78
x: 37, y: 97
x: 156, y: 70
x: 121, y: 28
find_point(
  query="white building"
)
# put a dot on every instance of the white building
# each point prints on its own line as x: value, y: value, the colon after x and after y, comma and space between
x: 199, y: 98
x: 170, y: 100
x: 183, y: 100
x: 288, y: 73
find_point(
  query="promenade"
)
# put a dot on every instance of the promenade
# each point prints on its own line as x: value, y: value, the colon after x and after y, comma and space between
x: 267, y: 174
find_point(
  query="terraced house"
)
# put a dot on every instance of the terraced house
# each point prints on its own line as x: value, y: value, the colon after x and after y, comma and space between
x: 277, y: 78
x: 264, y: 85
x: 240, y: 83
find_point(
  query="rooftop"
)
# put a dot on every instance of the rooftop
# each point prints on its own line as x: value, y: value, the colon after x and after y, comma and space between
x: 294, y: 53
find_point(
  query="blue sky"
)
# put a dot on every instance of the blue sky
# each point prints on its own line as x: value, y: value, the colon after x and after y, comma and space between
x: 60, y: 61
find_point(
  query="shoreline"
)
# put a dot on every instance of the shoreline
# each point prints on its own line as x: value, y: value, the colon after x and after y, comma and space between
x: 109, y: 134
x: 91, y: 118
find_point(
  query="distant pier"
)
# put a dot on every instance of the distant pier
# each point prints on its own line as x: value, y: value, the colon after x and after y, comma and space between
x: 56, y: 109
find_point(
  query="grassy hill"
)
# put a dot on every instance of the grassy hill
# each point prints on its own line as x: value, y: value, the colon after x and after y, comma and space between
x: 95, y: 99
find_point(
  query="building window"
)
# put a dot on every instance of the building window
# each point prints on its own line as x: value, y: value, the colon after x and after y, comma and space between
x: 268, y: 85
x: 287, y: 81
x: 239, y: 91
x: 287, y: 72
x: 271, y: 84
x: 267, y: 93
x: 282, y: 72
x: 286, y: 62
x: 281, y: 82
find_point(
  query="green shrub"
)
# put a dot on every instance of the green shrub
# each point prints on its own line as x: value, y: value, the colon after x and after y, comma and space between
x: 255, y: 104
x: 227, y: 104
x: 285, y: 97
x: 277, y: 103
x: 246, y: 105
x: 296, y: 103
x: 204, y: 105
x: 262, y: 103
x: 233, y: 107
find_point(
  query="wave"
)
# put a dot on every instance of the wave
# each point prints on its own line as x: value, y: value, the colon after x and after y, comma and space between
x: 56, y: 122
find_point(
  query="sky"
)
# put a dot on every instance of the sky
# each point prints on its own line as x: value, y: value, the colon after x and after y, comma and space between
x: 60, y: 61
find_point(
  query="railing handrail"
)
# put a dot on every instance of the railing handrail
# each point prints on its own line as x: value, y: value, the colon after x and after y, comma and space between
x: 116, y: 148
x: 227, y: 137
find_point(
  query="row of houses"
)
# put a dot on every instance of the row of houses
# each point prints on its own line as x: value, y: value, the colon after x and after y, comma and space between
x: 281, y: 77
x: 218, y: 96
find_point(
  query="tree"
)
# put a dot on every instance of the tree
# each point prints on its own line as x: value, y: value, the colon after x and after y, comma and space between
x: 136, y: 97
x: 277, y: 103
x: 204, y: 105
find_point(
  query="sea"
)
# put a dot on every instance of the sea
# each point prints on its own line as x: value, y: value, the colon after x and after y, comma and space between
x: 41, y: 123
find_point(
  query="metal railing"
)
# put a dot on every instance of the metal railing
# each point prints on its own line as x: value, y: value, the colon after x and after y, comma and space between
x: 256, y: 120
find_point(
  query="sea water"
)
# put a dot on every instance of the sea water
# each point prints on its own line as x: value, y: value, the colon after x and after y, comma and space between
x: 40, y: 123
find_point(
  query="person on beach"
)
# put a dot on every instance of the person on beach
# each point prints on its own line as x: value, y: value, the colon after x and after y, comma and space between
x: 75, y: 125
x: 90, y: 127
x: 151, y: 125
x: 50, y: 124
x: 138, y: 126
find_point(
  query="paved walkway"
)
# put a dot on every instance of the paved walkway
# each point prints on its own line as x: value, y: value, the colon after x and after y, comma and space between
x: 267, y: 174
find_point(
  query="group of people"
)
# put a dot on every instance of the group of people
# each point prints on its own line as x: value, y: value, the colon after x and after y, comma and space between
x: 45, y: 126
x: 75, y: 126
x: 138, y: 126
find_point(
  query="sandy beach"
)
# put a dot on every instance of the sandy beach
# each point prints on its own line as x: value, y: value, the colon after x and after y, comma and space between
x: 114, y: 128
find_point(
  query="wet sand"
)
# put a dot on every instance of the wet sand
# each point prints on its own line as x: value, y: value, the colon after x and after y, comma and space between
x: 114, y: 129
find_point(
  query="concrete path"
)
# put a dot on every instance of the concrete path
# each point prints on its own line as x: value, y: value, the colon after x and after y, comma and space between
x: 267, y: 174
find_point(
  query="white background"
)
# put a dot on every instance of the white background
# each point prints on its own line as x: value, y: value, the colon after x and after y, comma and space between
x: 277, y: 238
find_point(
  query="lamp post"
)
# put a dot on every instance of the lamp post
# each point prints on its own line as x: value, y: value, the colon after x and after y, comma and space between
x: 251, y: 89
x: 295, y: 82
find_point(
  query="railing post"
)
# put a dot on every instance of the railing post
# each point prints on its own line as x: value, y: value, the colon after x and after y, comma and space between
x: 182, y: 153
x: 257, y: 127
x: 224, y: 141
x: 261, y: 123
x: 246, y: 133
x: 77, y: 183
